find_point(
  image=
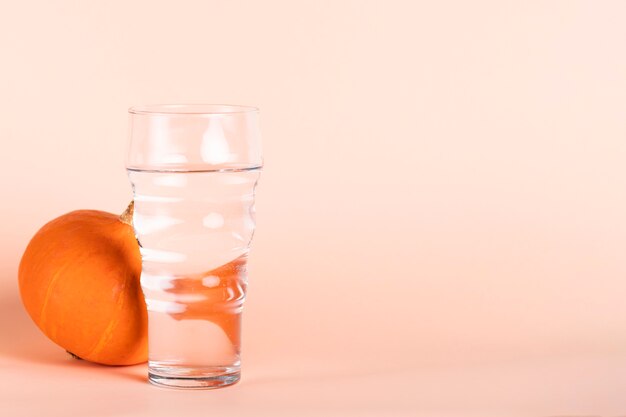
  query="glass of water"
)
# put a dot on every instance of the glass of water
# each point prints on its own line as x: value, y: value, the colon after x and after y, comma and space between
x: 194, y: 169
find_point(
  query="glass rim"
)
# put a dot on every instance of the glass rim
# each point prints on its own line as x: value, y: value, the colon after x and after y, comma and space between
x: 191, y: 109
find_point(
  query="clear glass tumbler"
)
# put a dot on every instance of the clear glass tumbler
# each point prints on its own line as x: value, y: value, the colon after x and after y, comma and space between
x: 194, y: 169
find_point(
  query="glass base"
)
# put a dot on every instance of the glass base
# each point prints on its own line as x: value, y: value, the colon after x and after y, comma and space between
x: 193, y: 378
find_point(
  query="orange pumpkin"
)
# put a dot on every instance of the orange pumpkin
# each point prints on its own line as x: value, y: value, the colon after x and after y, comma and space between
x: 79, y: 281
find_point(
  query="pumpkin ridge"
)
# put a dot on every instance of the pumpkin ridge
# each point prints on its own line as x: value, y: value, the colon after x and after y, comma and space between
x: 104, y: 338
x: 49, y: 291
x: 108, y: 332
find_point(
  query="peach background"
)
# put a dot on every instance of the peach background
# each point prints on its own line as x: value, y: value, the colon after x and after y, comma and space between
x: 441, y: 218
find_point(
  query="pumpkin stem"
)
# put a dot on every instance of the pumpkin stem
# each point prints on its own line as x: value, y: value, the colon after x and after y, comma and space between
x: 127, y: 216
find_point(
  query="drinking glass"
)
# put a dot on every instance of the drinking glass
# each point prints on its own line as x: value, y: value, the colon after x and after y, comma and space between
x: 194, y: 169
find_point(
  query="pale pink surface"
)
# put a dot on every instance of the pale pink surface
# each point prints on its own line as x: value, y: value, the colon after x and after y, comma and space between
x: 441, y: 219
